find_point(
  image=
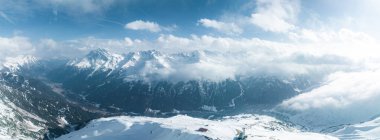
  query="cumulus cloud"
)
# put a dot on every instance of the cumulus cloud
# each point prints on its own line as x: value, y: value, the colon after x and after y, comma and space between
x: 13, y: 47
x: 16, y: 45
x: 276, y: 15
x: 143, y: 25
x: 227, y: 28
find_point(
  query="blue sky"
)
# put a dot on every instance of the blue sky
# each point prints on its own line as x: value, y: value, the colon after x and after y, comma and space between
x: 63, y: 20
x: 125, y: 23
x: 57, y: 20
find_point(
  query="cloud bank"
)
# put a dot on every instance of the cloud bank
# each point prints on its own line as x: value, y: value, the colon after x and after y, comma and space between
x: 13, y: 46
x: 345, y: 98
x: 224, y: 57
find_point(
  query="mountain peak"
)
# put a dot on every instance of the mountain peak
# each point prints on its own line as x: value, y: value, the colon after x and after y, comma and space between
x: 98, y: 58
x: 16, y: 63
x: 99, y: 53
x: 148, y: 54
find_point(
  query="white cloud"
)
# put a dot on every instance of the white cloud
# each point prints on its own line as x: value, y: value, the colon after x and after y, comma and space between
x: 345, y: 61
x: 346, y: 97
x: 143, y: 25
x: 129, y: 41
x: 227, y: 28
x: 13, y: 46
x: 244, y: 56
x: 276, y: 15
x: 233, y: 56
x: 342, y: 35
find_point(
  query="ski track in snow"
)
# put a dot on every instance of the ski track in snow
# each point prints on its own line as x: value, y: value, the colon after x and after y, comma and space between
x: 232, y: 104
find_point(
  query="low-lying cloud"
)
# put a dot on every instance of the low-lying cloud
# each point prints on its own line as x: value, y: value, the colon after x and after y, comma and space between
x: 345, y: 98
x: 224, y: 57
x: 348, y: 70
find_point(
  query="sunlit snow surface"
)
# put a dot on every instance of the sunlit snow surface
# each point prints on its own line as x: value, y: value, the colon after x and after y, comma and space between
x: 367, y: 130
x: 15, y: 63
x: 184, y: 128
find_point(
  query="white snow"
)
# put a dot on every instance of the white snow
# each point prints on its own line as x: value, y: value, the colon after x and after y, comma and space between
x: 185, y: 128
x: 369, y: 130
x: 16, y: 123
x: 15, y: 63
x: 31, y: 126
x: 209, y: 108
x: 62, y: 121
x: 102, y: 60
x: 153, y: 65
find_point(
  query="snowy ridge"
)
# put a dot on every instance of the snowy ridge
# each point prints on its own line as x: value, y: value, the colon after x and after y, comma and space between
x: 188, y: 128
x: 101, y: 59
x: 16, y: 123
x: 96, y: 60
x: 136, y: 65
x: 153, y: 65
x: 14, y: 64
x: 366, y: 130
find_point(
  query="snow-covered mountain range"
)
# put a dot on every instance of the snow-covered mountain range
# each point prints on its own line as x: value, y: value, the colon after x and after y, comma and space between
x: 143, y: 65
x: 143, y: 80
x: 14, y: 64
x: 43, y: 99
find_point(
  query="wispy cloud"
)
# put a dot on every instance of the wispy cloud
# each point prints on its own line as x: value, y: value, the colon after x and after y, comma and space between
x: 5, y: 17
x: 227, y: 28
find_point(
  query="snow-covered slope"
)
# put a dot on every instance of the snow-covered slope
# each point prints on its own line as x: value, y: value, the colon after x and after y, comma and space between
x: 16, y: 123
x: 369, y: 130
x: 14, y: 64
x: 98, y: 59
x: 187, y: 128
